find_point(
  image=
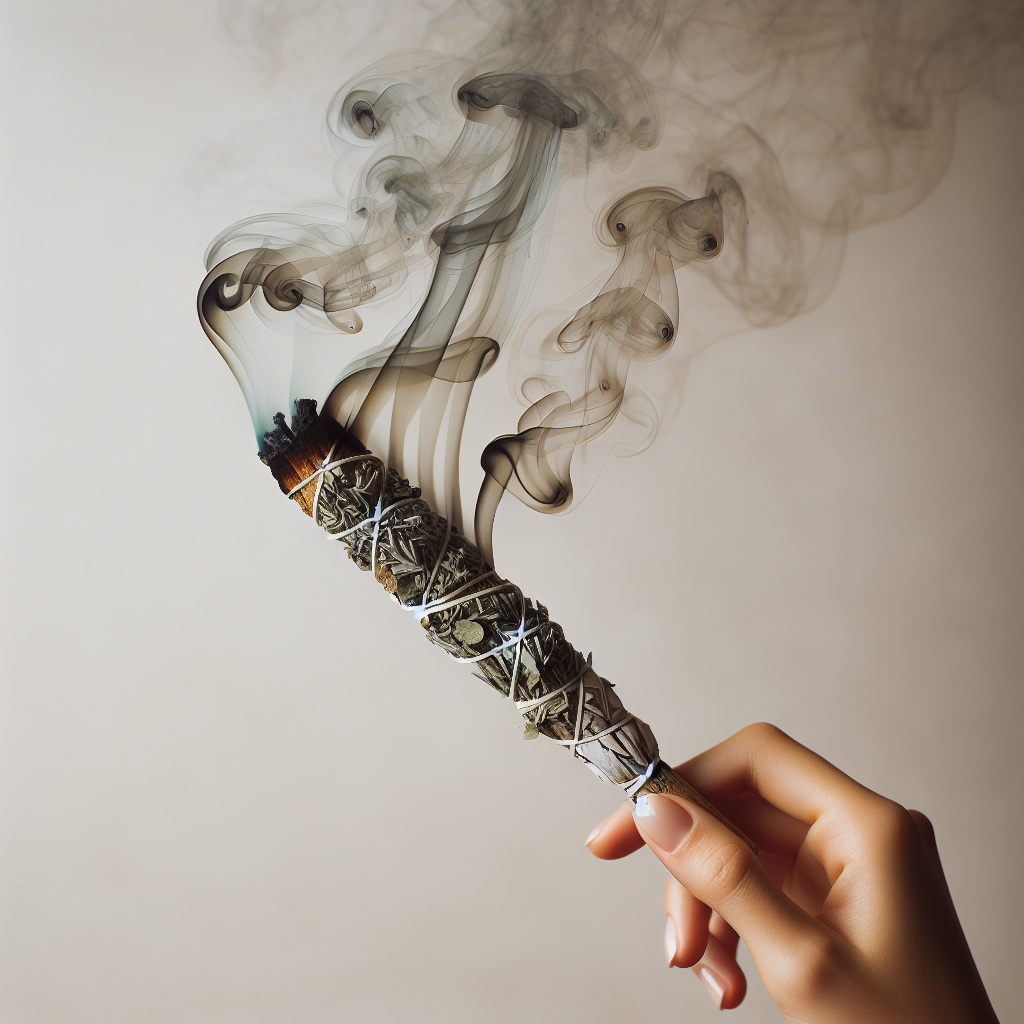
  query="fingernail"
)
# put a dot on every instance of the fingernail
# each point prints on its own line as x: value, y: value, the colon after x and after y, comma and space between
x: 713, y: 984
x: 598, y: 829
x: 662, y: 821
x: 670, y: 940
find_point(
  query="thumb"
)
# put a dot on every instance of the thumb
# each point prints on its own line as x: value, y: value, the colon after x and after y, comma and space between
x: 721, y: 871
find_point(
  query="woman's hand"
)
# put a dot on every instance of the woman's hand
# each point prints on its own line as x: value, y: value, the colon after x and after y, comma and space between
x: 846, y: 911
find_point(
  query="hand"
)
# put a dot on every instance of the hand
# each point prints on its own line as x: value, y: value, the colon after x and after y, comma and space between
x: 846, y: 911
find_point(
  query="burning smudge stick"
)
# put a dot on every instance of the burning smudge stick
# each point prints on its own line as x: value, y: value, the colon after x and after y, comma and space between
x: 304, y: 280
x: 803, y: 128
x: 431, y: 569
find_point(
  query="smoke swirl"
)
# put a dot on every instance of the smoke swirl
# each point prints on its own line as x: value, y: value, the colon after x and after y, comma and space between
x: 791, y: 122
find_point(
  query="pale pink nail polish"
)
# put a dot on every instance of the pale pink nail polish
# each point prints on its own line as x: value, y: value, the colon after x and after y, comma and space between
x: 670, y: 940
x: 713, y: 984
x: 662, y: 821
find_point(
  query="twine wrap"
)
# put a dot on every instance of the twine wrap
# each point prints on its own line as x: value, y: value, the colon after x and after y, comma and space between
x: 433, y: 571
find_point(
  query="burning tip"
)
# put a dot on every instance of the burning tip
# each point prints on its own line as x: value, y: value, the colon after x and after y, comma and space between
x: 281, y: 422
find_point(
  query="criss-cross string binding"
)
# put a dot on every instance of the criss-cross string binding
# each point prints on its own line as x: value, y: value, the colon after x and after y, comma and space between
x: 464, y: 594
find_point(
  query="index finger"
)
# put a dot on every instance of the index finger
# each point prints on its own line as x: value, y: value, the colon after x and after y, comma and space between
x: 774, y: 831
x: 762, y: 759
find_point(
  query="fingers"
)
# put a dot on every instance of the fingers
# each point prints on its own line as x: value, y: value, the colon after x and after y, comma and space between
x: 708, y: 860
x: 726, y: 935
x: 764, y: 760
x: 775, y: 789
x: 687, y: 926
x: 774, y: 831
x: 928, y: 833
x: 721, y: 974
x: 616, y: 836
x: 704, y: 942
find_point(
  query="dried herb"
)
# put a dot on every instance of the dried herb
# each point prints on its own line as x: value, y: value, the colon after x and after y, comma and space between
x: 430, y: 568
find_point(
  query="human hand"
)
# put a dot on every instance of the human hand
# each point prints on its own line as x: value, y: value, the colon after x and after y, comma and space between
x: 846, y: 910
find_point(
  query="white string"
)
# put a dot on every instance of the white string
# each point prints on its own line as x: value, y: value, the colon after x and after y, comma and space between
x: 518, y: 637
x: 448, y: 603
x: 576, y: 741
x: 456, y: 598
x: 638, y: 783
x: 529, y: 705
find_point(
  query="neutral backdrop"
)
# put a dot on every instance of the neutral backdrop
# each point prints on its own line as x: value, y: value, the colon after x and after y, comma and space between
x: 237, y: 785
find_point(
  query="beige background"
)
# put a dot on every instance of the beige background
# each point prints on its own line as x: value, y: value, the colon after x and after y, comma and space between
x: 236, y: 785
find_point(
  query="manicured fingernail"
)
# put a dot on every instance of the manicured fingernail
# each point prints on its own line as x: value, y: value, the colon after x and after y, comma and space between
x: 714, y: 985
x: 662, y: 821
x: 598, y: 829
x: 670, y: 940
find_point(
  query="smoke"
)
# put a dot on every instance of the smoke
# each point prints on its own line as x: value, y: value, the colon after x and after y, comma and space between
x: 635, y: 316
x: 789, y: 124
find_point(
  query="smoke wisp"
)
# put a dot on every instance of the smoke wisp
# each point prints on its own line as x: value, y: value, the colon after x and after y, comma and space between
x: 722, y: 152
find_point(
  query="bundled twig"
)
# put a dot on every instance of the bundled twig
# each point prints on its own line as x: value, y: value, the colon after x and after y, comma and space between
x: 434, y: 571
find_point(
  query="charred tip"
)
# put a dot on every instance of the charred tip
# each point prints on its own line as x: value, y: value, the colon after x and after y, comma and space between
x: 305, y: 415
x: 284, y: 436
x: 282, y: 425
x: 309, y: 430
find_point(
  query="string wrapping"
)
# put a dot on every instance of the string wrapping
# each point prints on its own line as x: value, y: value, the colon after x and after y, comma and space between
x: 433, y: 571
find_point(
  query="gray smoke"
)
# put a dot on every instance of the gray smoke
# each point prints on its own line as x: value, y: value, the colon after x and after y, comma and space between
x: 789, y: 123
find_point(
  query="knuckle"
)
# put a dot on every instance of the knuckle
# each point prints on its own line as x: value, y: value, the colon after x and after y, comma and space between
x: 895, y: 820
x: 762, y: 733
x: 924, y: 823
x: 727, y: 872
x: 894, y: 827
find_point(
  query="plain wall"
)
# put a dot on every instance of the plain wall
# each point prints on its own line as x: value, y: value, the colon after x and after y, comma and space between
x: 238, y: 786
